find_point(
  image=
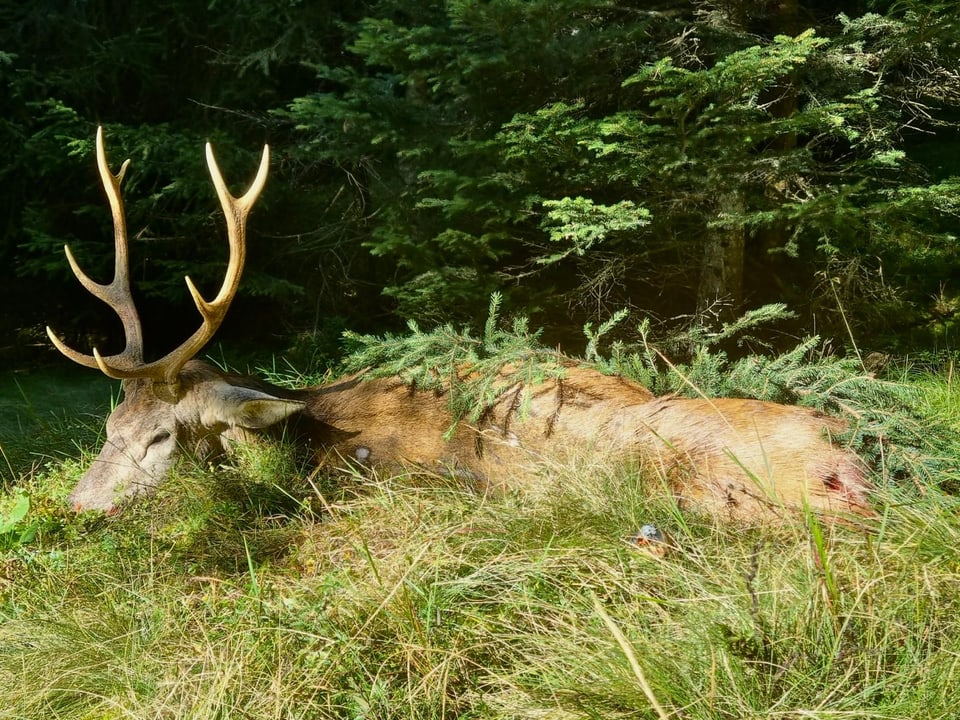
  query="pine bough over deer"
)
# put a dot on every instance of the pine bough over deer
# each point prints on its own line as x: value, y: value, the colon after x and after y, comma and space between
x: 740, y: 459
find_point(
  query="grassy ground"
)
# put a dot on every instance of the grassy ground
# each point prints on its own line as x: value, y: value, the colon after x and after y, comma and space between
x: 262, y: 591
x: 45, y: 414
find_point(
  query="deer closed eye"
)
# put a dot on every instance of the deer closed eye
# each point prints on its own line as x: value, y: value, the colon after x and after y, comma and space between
x: 160, y: 437
x: 156, y: 447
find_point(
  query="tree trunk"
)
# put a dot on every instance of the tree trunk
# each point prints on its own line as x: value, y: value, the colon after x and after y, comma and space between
x: 782, y: 101
x: 721, y: 274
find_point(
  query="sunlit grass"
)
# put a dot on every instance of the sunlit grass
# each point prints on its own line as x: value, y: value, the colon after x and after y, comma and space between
x: 262, y: 590
x: 941, y: 395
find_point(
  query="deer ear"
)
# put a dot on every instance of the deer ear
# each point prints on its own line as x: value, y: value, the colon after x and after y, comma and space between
x: 243, y: 407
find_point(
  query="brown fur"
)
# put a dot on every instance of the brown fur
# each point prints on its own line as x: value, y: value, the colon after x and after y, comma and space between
x: 742, y: 459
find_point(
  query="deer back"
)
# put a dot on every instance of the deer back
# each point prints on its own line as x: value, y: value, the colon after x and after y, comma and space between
x: 386, y: 421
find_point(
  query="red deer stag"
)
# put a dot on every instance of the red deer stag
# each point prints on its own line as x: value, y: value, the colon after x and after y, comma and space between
x: 741, y: 459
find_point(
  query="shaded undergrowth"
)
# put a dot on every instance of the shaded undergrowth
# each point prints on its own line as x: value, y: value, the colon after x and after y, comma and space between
x: 47, y: 415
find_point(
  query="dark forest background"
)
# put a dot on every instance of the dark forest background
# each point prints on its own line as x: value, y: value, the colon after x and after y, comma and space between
x: 686, y: 160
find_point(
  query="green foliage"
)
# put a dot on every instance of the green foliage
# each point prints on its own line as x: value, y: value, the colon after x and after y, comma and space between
x: 419, y: 128
x: 473, y: 371
x: 483, y: 149
x: 14, y: 532
x: 577, y: 157
x: 46, y: 416
x: 582, y: 224
x: 163, y: 78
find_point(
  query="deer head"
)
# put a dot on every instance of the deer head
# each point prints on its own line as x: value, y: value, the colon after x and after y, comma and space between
x: 171, y: 404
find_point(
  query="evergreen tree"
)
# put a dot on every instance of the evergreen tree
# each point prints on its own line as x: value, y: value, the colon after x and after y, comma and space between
x: 579, y: 156
x: 582, y: 156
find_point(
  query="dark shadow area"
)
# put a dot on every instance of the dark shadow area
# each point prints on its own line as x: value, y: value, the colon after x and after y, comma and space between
x: 49, y: 413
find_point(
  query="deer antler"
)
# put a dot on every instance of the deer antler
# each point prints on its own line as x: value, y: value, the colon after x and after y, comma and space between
x: 116, y: 294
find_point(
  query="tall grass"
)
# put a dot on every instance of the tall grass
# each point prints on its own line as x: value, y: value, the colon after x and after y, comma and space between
x: 262, y: 591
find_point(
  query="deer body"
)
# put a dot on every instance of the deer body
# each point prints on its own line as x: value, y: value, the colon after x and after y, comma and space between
x: 741, y: 459
x: 386, y: 422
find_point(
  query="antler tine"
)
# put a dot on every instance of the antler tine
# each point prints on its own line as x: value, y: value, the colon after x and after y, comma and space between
x: 117, y: 293
x: 235, y: 211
